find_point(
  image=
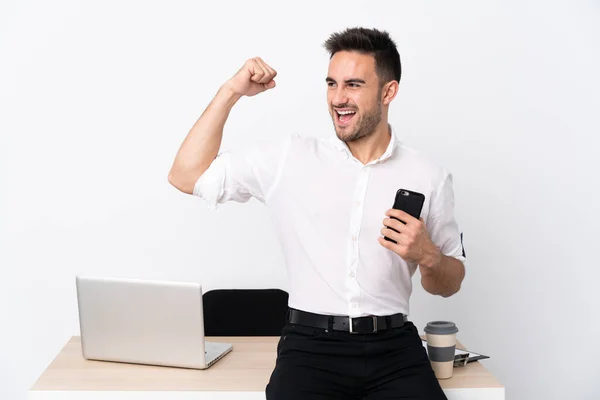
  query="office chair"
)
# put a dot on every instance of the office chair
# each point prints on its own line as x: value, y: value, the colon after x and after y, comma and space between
x: 245, y: 312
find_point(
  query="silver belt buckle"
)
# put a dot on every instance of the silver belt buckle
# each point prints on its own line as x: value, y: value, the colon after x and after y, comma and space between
x: 374, y: 324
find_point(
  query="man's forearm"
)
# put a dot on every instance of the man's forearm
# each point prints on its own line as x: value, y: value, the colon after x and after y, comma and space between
x: 202, y: 143
x: 442, y: 275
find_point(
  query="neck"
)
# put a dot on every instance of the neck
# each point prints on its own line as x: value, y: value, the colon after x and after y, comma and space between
x: 372, y: 146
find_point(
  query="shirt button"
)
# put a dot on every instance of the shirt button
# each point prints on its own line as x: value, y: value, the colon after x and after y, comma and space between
x: 365, y: 170
x: 354, y: 305
x: 358, y: 203
x: 352, y: 275
x: 354, y: 237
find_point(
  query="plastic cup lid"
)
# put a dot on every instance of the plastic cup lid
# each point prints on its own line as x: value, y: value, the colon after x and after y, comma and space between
x: 441, y: 328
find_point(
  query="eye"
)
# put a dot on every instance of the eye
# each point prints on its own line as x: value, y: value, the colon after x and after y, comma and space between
x: 330, y: 84
x: 353, y: 85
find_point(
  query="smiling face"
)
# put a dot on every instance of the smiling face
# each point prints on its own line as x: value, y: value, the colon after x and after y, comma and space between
x: 353, y: 95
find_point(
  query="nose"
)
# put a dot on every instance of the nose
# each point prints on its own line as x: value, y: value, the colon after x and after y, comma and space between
x: 339, y: 97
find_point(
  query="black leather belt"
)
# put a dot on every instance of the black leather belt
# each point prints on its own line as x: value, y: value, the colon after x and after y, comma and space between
x: 370, y: 324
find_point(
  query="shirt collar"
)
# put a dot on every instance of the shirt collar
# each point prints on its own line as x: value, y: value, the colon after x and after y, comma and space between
x: 342, y: 147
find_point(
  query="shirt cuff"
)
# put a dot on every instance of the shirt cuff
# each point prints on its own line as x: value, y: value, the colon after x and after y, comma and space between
x: 210, y: 185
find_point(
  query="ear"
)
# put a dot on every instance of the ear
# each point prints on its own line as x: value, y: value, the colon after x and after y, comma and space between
x: 389, y: 91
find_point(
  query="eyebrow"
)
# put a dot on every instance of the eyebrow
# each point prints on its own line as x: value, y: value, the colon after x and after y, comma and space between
x: 352, y: 80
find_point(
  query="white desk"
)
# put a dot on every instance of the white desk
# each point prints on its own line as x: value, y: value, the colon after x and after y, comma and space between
x: 242, y: 374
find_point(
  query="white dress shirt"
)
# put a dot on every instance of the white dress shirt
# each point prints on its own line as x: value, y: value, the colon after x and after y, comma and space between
x: 328, y: 210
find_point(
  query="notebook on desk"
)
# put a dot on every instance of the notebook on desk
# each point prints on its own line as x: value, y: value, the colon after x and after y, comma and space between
x: 145, y: 322
x: 462, y: 357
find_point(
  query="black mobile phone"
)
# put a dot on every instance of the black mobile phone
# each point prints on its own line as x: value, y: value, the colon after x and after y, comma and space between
x: 410, y: 202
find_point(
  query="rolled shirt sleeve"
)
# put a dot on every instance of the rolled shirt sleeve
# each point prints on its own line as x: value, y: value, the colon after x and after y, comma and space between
x: 441, y: 223
x: 244, y: 173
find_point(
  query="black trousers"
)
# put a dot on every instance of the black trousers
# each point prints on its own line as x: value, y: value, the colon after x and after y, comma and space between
x: 313, y: 363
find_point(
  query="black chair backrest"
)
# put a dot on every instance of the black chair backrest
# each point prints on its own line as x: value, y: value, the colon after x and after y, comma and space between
x: 245, y: 312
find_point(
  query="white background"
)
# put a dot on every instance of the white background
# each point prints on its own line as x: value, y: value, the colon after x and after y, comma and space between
x: 96, y: 97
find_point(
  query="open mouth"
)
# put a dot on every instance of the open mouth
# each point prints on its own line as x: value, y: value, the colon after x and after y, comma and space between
x: 343, y: 117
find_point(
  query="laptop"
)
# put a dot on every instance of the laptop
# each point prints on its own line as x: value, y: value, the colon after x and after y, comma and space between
x: 145, y: 322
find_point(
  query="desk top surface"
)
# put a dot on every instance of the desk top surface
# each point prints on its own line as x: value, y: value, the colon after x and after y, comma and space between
x: 247, y: 368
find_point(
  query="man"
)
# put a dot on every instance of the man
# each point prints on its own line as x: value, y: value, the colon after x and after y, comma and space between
x: 348, y: 336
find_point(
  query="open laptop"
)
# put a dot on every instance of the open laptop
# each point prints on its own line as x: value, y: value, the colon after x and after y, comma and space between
x: 144, y: 322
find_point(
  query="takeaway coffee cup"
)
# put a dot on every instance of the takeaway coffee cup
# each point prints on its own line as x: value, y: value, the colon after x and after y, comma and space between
x: 441, y: 342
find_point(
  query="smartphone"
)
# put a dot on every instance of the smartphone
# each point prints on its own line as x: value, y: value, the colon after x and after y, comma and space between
x: 410, y: 202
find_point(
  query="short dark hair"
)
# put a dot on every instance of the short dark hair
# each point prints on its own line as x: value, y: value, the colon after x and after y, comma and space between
x: 369, y: 41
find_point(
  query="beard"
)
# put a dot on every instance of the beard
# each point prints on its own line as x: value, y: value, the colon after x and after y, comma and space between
x: 363, y: 127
